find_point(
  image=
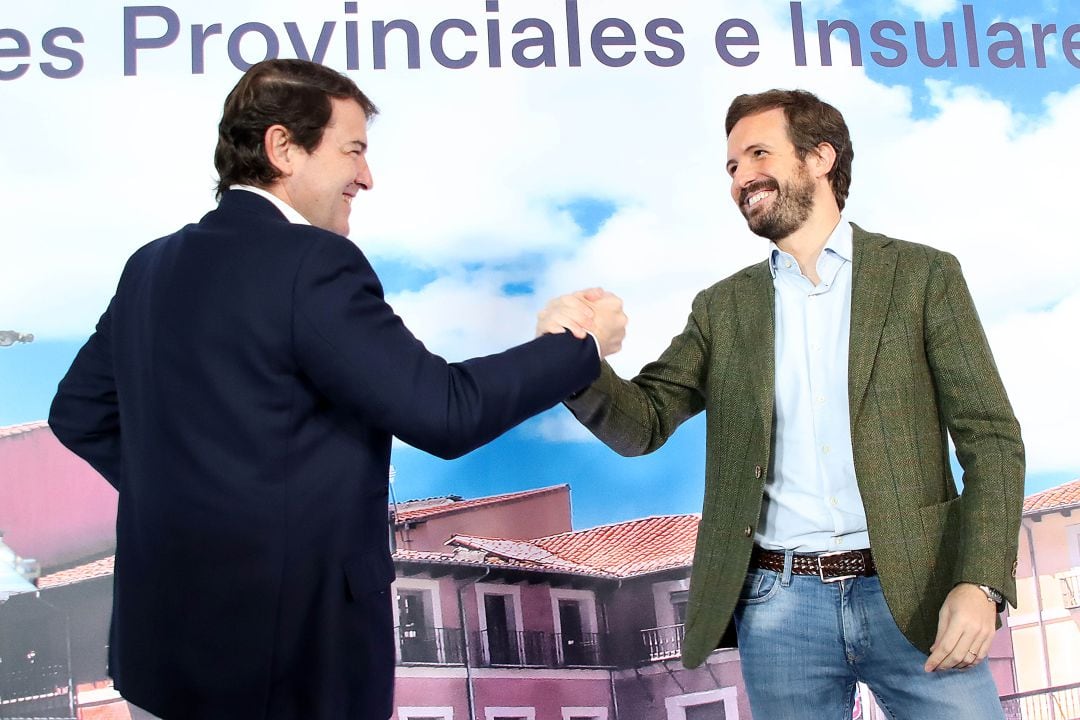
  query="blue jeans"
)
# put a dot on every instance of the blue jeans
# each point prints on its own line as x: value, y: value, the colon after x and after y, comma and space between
x: 804, y: 644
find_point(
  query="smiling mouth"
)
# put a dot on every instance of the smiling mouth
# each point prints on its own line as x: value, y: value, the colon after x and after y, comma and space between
x: 757, y: 197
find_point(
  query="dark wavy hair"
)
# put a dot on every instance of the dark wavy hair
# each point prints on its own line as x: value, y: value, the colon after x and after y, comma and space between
x: 292, y: 93
x: 811, y: 122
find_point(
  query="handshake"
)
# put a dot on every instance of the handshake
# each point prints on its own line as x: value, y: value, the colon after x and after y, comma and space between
x: 593, y: 311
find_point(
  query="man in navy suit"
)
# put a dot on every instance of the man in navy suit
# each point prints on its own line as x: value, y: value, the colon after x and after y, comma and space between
x: 241, y: 391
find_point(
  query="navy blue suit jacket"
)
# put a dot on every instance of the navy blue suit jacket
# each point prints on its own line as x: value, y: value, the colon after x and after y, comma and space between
x: 240, y: 392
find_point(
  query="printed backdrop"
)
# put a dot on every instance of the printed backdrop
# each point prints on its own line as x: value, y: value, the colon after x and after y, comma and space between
x: 530, y: 148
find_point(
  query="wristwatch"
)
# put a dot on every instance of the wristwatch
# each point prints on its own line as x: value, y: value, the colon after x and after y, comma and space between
x: 994, y: 596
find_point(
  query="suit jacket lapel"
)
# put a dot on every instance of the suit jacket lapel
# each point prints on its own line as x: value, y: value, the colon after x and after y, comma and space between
x: 873, y: 269
x: 754, y: 300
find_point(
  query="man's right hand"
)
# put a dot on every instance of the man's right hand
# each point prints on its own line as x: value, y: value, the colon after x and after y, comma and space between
x: 594, y: 311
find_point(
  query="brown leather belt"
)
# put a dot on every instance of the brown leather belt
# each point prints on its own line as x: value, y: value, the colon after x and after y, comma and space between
x: 830, y: 566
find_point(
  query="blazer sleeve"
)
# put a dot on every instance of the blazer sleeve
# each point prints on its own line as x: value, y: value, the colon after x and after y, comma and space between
x: 984, y: 430
x: 636, y: 417
x: 358, y: 353
x: 85, y: 414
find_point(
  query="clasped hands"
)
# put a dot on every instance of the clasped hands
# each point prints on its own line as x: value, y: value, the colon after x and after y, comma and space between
x: 592, y: 311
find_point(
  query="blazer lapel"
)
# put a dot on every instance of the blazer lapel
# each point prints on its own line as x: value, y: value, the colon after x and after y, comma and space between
x: 873, y: 269
x: 754, y: 301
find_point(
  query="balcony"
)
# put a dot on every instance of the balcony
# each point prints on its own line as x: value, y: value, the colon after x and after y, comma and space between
x: 430, y: 646
x: 533, y: 648
x: 1070, y: 588
x: 35, y: 691
x: 1056, y: 703
x: 663, y: 643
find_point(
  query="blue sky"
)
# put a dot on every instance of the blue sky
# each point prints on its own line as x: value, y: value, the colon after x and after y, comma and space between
x: 497, y: 189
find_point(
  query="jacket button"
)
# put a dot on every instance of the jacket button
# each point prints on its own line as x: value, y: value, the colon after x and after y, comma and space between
x: 749, y: 531
x: 757, y: 471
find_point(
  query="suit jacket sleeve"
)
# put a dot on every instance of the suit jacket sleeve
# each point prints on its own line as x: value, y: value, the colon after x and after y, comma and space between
x: 359, y: 354
x: 983, y: 428
x: 635, y: 417
x: 85, y: 414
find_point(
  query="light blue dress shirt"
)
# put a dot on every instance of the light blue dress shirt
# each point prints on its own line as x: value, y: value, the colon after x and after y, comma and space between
x: 812, y: 501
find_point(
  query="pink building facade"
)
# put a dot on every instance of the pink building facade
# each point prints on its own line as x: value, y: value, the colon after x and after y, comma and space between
x: 502, y: 611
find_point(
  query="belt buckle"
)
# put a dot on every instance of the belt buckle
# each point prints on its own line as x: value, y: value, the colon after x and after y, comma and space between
x: 821, y: 570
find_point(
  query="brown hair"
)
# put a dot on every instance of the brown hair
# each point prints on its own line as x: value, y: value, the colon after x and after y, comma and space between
x: 810, y: 122
x: 292, y: 93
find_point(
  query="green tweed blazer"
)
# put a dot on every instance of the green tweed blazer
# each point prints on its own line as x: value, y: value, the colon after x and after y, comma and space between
x: 919, y: 366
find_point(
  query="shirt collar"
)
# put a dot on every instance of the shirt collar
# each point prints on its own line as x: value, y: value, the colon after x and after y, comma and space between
x: 840, y: 243
x: 286, y: 209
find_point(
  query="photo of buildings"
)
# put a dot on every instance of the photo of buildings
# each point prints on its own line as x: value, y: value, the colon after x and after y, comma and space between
x: 503, y: 611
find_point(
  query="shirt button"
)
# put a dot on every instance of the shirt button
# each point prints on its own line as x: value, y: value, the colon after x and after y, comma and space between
x: 787, y: 263
x: 826, y: 449
x: 821, y: 399
x: 757, y: 471
x: 838, y: 541
x: 749, y: 531
x: 833, y: 501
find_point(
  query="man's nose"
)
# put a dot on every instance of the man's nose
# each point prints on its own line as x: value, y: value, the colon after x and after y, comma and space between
x: 363, y: 176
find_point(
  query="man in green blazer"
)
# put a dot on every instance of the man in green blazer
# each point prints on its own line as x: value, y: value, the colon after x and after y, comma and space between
x: 832, y: 532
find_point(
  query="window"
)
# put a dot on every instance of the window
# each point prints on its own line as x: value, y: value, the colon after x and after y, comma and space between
x: 510, y: 713
x: 1072, y: 532
x: 425, y: 713
x: 679, y: 599
x: 669, y: 601
x: 501, y: 635
x: 719, y: 704
x: 584, y: 713
x: 706, y: 711
x: 577, y: 637
x: 418, y: 618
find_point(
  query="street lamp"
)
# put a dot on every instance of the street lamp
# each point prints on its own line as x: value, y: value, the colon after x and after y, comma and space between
x: 10, y: 337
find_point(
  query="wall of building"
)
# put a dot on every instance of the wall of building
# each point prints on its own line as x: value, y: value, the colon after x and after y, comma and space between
x: 53, y: 506
x: 1046, y: 655
x: 526, y: 518
x: 649, y: 692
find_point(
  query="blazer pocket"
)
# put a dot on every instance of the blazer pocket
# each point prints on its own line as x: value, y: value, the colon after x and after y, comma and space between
x: 368, y: 573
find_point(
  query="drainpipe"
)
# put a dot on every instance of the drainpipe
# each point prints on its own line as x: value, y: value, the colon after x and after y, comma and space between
x: 607, y: 633
x: 469, y: 693
x: 1038, y: 603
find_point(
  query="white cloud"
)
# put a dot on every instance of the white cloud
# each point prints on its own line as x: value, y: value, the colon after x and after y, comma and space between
x: 471, y: 165
x: 930, y: 9
x: 1038, y: 356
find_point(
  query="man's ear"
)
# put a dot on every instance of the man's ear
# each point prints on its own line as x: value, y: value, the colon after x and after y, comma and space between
x: 823, y: 159
x: 279, y: 148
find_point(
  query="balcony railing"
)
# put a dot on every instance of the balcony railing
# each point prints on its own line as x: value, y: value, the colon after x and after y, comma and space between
x: 663, y: 643
x: 1070, y: 588
x: 533, y: 648
x: 528, y: 648
x: 35, y: 691
x: 585, y: 650
x: 1057, y: 703
x: 430, y: 646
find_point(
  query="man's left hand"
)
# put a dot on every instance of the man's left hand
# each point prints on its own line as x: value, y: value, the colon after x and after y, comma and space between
x: 965, y: 629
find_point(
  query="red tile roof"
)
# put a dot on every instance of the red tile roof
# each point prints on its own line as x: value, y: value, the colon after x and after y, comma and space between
x: 79, y: 573
x: 620, y: 550
x: 13, y: 430
x: 1060, y: 497
x: 409, y: 512
x: 635, y: 547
